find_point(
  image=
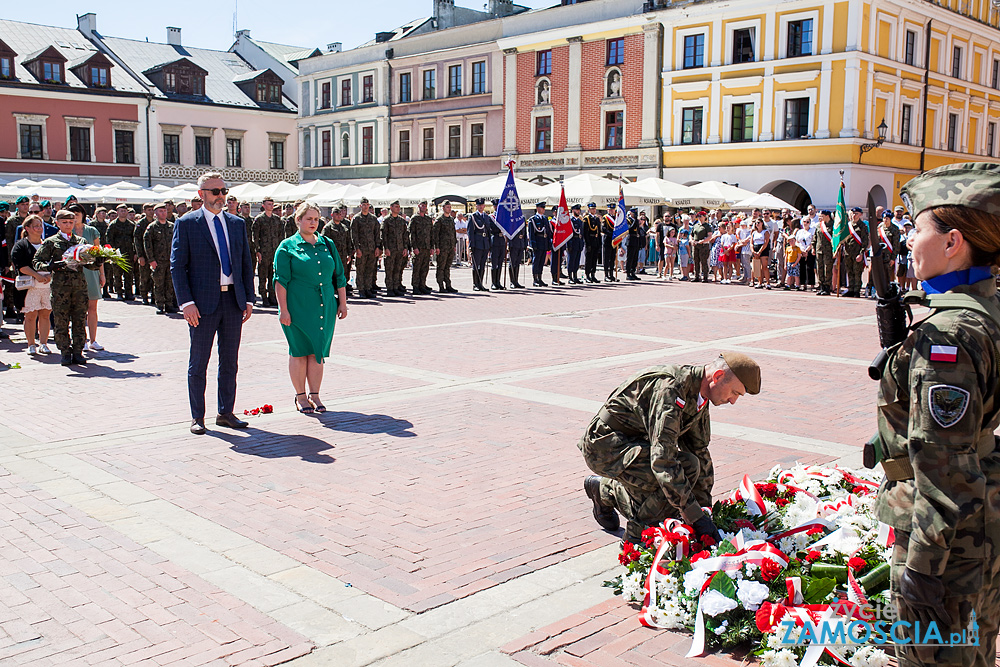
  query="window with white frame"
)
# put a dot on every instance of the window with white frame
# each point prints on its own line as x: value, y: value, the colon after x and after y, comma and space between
x: 741, y: 124
x: 743, y: 45
x: 910, y: 48
x: 428, y: 139
x: 991, y: 138
x: 454, y: 141
x: 404, y: 145
x: 956, y: 61
x: 953, y: 132
x: 691, y: 125
x: 479, y: 77
x: 32, y: 142
x: 906, y: 124
x: 800, y: 38
x: 694, y: 50
x: 478, y: 145
x: 796, y: 118
x: 995, y: 78
x: 345, y: 146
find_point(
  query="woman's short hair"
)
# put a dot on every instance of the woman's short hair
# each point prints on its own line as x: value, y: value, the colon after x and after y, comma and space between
x: 30, y: 220
x: 981, y: 230
x: 304, y: 208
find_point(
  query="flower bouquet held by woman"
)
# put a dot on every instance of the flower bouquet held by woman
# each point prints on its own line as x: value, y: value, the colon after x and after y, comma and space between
x: 83, y: 253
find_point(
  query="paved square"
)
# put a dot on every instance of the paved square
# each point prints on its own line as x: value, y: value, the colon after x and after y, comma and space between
x: 434, y: 516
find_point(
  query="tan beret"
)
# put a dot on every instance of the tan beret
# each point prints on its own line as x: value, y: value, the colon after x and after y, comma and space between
x: 746, y: 369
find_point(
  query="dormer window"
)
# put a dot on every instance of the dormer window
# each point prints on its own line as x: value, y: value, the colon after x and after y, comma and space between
x: 6, y: 67
x: 100, y: 77
x: 170, y: 81
x: 181, y: 77
x: 52, y: 72
x: 268, y: 92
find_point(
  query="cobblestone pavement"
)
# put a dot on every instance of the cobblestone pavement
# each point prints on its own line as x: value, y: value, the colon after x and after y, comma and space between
x: 434, y: 516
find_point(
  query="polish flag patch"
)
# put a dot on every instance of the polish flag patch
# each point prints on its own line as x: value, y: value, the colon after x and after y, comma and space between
x: 946, y: 353
x: 679, y: 402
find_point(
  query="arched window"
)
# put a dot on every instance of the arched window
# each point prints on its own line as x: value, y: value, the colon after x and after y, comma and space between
x: 613, y: 83
x: 345, y: 146
x: 543, y: 92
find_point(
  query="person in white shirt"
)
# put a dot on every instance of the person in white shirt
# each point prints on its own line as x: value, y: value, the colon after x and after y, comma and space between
x: 744, y: 248
x: 462, y: 231
x: 807, y: 262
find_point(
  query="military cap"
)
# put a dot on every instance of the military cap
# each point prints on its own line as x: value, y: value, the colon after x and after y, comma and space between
x: 886, y: 214
x: 857, y: 209
x: 899, y: 209
x: 575, y: 207
x: 342, y: 206
x: 197, y: 198
x: 229, y: 198
x: 496, y: 203
x: 169, y: 202
x: 611, y: 205
x: 4, y: 207
x: 161, y: 204
x: 974, y: 185
x: 270, y: 199
x: 395, y: 203
x: 46, y: 203
x: 364, y: 200
x: 591, y: 205
x: 541, y: 204
x: 21, y: 200
x: 826, y: 212
x: 125, y: 206
x: 744, y: 368
x: 480, y: 200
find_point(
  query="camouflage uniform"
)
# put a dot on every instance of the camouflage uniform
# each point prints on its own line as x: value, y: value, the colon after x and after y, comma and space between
x: 849, y: 256
x: 824, y: 256
x: 101, y: 227
x: 157, y: 241
x: 69, y: 293
x: 394, y: 240
x: 445, y: 240
x: 121, y: 236
x: 340, y: 234
x: 267, y: 232
x: 143, y: 274
x: 289, y: 226
x: 701, y: 231
x: 653, y: 455
x: 248, y: 222
x: 421, y: 228
x: 367, y: 238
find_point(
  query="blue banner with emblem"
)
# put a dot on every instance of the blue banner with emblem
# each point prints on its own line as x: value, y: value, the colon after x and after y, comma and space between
x: 510, y: 217
x: 621, y: 222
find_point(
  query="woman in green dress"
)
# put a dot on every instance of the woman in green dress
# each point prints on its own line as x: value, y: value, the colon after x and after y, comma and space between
x: 311, y: 289
x: 95, y: 279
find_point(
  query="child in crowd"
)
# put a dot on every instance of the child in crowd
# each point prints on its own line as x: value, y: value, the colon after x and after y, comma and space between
x: 670, y: 253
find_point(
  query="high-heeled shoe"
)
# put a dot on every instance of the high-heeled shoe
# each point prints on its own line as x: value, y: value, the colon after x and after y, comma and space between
x: 319, y: 406
x: 308, y: 410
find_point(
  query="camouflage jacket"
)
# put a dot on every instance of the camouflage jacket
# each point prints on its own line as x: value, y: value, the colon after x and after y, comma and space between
x: 101, y: 227
x: 823, y: 243
x: 850, y: 244
x: 139, y: 236
x: 421, y: 228
x: 248, y: 222
x: 365, y: 233
x: 340, y: 234
x: 394, y: 236
x: 52, y: 250
x: 289, y: 226
x: 444, y: 234
x: 892, y: 235
x: 121, y: 235
x: 267, y: 232
x: 938, y: 405
x: 13, y: 222
x: 157, y: 240
x: 658, y: 408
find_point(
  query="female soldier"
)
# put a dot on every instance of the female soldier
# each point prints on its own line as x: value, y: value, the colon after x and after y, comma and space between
x: 939, y: 403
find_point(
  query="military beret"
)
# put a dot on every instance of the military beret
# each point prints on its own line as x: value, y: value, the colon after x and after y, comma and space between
x: 974, y: 185
x: 161, y: 204
x: 342, y: 206
x: 591, y: 205
x: 45, y: 203
x: 744, y: 368
x: 364, y: 200
x: 21, y: 200
x: 395, y: 203
x: 857, y: 209
x: 496, y: 203
x: 270, y: 199
x: 886, y: 214
x: 169, y: 202
x: 69, y: 199
x: 4, y: 206
x: 899, y: 209
x: 541, y: 204
x: 612, y: 205
x: 480, y: 201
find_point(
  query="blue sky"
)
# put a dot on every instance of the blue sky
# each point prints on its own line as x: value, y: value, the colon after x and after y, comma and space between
x: 210, y: 25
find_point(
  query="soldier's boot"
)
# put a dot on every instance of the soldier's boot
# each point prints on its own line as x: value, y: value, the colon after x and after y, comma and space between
x: 633, y: 532
x: 67, y: 358
x: 606, y: 516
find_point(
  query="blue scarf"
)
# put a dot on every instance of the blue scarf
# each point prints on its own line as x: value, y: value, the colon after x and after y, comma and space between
x: 948, y: 281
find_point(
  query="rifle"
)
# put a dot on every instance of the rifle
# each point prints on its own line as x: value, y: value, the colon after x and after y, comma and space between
x: 892, y: 317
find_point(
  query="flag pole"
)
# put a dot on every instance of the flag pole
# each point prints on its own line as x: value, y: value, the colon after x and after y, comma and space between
x: 840, y: 250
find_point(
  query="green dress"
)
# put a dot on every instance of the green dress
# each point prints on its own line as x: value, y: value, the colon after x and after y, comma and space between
x: 93, y: 236
x: 311, y: 275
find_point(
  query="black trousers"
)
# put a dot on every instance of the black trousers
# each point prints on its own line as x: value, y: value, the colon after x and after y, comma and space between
x: 609, y: 252
x: 573, y: 258
x: 537, y: 262
x: 479, y: 256
x: 556, y: 264
x: 631, y: 256
x: 593, y: 255
x: 497, y: 253
x: 226, y: 322
x: 807, y: 270
x: 516, y: 259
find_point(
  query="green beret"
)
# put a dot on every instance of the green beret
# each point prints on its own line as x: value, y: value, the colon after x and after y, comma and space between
x: 974, y: 185
x: 745, y: 368
x: 46, y: 203
x: 21, y: 200
x: 4, y: 206
x: 69, y: 199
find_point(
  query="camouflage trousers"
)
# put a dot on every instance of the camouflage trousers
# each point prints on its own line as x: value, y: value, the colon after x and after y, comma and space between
x: 421, y: 267
x: 824, y: 269
x: 163, y: 286
x: 69, y: 307
x: 265, y: 279
x: 972, y: 585
x: 367, y: 267
x: 394, y: 265
x: 445, y: 258
x: 854, y: 271
x: 123, y: 283
x: 144, y: 280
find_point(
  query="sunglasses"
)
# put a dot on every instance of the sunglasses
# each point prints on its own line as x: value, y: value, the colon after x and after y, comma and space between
x: 216, y: 191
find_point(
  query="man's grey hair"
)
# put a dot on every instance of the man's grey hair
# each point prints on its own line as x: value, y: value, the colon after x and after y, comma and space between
x: 719, y: 363
x: 209, y: 176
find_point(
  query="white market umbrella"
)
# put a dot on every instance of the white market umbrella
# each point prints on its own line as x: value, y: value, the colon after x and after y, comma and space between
x: 246, y: 192
x: 186, y: 191
x: 125, y: 185
x: 492, y: 188
x: 277, y: 191
x: 764, y: 200
x: 378, y: 195
x: 655, y: 191
x: 337, y: 195
x: 311, y: 189
x: 428, y: 191
x: 730, y: 193
x: 159, y: 187
x: 124, y: 195
x: 583, y: 189
x: 23, y: 183
x: 52, y: 183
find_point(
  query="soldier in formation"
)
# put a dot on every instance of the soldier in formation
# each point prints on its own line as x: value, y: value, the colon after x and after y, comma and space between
x: 574, y: 246
x: 339, y: 231
x: 422, y: 245
x: 121, y: 236
x: 608, y: 250
x: 701, y: 234
x: 367, y: 239
x: 143, y: 275
x: 498, y: 249
x: 266, y: 233
x: 157, y: 240
x: 445, y: 239
x: 516, y: 247
x: 592, y: 243
x: 395, y: 243
x: 540, y: 238
x: 823, y: 242
x: 479, y: 244
x: 853, y: 251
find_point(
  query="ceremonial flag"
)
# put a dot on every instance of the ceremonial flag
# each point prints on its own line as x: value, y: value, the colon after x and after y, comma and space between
x: 509, y: 215
x: 562, y: 228
x: 840, y: 226
x: 621, y: 224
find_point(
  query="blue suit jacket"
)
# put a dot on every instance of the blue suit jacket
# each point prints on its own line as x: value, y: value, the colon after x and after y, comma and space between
x: 195, y: 266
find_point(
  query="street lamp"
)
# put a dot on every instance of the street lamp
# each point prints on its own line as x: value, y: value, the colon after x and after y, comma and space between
x: 882, y: 129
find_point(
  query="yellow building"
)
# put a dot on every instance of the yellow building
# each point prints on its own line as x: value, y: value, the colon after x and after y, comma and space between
x: 780, y: 96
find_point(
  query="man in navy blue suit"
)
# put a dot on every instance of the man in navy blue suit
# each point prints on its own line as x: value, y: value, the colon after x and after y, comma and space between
x: 213, y: 281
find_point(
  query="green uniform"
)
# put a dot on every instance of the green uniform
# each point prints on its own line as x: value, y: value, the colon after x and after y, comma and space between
x: 367, y: 238
x: 394, y: 240
x: 121, y: 236
x: 248, y: 221
x: 699, y: 232
x: 938, y: 406
x: 289, y: 226
x: 143, y: 274
x: 445, y: 239
x: 421, y: 228
x: 852, y: 249
x: 267, y: 232
x: 69, y: 293
x: 649, y: 443
x: 889, y: 238
x: 156, y: 242
x: 824, y: 256
x: 340, y: 234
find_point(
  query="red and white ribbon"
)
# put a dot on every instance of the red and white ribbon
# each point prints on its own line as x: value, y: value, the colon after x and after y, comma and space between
x: 748, y: 492
x: 681, y: 546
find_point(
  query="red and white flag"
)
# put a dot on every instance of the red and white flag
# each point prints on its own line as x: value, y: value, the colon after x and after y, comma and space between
x: 946, y: 353
x: 562, y: 228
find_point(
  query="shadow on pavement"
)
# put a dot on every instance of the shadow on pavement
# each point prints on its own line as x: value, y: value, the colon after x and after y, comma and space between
x: 357, y: 422
x: 264, y: 444
x: 93, y: 369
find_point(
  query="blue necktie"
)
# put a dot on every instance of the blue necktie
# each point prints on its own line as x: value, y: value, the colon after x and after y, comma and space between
x: 227, y: 268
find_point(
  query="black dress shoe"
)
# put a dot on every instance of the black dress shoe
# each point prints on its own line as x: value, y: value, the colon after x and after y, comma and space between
x: 499, y: 287
x: 171, y: 309
x: 160, y: 311
x: 198, y: 426
x: 542, y: 283
x: 67, y: 359
x: 452, y: 290
x: 606, y: 516
x: 517, y: 286
x: 230, y: 421
x: 78, y: 359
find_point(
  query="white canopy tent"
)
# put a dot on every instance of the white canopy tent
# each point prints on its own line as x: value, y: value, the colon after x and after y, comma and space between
x: 117, y: 195
x: 718, y: 189
x: 337, y: 194
x: 379, y: 195
x: 429, y: 191
x: 492, y: 188
x: 311, y: 189
x: 764, y: 200
x: 245, y: 191
x: 656, y: 191
x: 583, y: 189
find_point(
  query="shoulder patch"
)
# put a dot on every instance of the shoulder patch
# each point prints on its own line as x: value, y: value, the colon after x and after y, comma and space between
x: 946, y: 353
x: 947, y: 404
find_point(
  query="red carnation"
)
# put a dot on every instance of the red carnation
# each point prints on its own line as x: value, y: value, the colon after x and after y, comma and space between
x: 744, y: 523
x: 856, y: 563
x: 781, y: 502
x: 812, y: 556
x: 860, y: 490
x: 701, y: 554
x: 770, y: 570
x: 769, y: 490
x: 816, y: 530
